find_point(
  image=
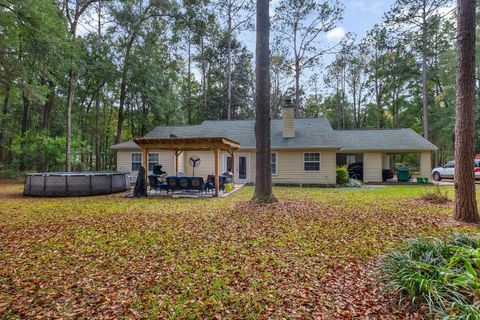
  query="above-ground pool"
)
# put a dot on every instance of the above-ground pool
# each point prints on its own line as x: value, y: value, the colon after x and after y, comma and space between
x: 62, y: 184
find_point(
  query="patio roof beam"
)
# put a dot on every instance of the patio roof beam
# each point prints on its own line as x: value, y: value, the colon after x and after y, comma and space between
x: 177, y: 154
x: 217, y: 173
x: 191, y: 143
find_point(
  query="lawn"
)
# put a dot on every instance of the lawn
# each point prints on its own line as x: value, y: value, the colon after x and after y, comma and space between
x: 311, y: 255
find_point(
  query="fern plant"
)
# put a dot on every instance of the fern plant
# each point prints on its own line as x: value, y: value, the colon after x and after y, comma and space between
x: 443, y: 274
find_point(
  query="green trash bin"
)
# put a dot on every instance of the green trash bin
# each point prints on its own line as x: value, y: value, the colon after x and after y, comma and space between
x: 403, y: 175
x: 422, y: 180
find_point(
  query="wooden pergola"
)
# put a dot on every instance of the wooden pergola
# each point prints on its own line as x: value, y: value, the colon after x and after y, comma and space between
x: 181, y: 144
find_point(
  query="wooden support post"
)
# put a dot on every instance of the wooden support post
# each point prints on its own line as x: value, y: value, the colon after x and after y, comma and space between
x: 177, y: 154
x: 145, y: 163
x: 176, y: 161
x: 217, y: 177
x: 233, y: 167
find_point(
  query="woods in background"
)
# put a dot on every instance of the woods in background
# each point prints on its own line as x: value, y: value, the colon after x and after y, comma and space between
x: 91, y: 73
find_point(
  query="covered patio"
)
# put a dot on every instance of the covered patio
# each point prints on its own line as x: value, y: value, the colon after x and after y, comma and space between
x: 181, y: 144
x: 374, y: 163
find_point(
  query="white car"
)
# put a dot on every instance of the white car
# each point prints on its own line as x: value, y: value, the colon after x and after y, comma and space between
x: 448, y: 171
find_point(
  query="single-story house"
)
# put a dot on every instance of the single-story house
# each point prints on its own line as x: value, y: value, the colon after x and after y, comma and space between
x: 304, y: 151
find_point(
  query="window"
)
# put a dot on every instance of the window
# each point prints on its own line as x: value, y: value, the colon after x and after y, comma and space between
x: 311, y: 161
x: 228, y: 163
x: 136, y: 161
x: 274, y: 163
x: 450, y: 164
x: 350, y: 159
x: 153, y: 159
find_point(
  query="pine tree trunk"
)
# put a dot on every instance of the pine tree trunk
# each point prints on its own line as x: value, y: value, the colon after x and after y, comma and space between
x: 123, y: 90
x: 229, y: 67
x: 6, y: 106
x: 189, y: 81
x: 354, y: 95
x: 424, y: 81
x: 47, y: 107
x: 297, y: 88
x: 70, y: 93
x: 204, y: 78
x: 26, y: 110
x: 98, y: 131
x: 98, y: 163
x: 123, y: 96
x: 344, y: 116
x: 465, y: 198
x: 263, y: 177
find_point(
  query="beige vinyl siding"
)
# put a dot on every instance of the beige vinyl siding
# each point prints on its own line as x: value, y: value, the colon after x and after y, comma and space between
x: 207, y: 165
x: 291, y: 170
x: 124, y: 161
x: 425, y: 164
x: 372, y: 167
x: 181, y: 163
x: 253, y: 164
x: 386, y: 161
x: 289, y: 165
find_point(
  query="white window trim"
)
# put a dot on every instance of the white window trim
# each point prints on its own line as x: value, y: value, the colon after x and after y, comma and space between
x: 131, y: 161
x: 148, y: 164
x: 141, y: 159
x: 276, y: 163
x: 319, y: 162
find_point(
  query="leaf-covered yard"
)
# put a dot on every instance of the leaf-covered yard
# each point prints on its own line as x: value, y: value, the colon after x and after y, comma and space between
x: 312, y: 255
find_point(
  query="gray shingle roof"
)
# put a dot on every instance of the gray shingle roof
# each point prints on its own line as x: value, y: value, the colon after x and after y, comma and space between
x: 308, y: 132
x: 383, y: 139
x: 126, y: 145
x: 315, y: 132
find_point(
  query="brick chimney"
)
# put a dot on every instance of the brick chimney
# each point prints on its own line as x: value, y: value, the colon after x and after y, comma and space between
x: 288, y: 119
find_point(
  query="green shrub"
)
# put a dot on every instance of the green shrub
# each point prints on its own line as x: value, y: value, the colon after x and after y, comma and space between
x: 8, y: 173
x: 37, y: 151
x: 342, y: 174
x: 443, y: 274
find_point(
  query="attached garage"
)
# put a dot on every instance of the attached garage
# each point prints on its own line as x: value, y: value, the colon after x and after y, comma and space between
x: 375, y: 148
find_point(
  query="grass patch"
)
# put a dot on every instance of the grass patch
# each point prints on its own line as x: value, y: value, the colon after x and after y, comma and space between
x: 106, y: 256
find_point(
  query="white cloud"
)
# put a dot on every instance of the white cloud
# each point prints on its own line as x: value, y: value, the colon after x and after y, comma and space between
x: 336, y: 34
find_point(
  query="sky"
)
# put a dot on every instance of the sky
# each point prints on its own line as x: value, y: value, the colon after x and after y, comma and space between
x: 361, y: 15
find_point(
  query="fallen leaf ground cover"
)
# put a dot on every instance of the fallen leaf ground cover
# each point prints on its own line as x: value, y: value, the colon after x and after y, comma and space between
x: 311, y: 255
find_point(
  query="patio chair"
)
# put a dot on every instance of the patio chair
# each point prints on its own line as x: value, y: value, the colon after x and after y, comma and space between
x: 157, y: 170
x: 210, y: 185
x: 196, y: 183
x: 172, y: 184
x: 184, y: 183
x: 155, y: 184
